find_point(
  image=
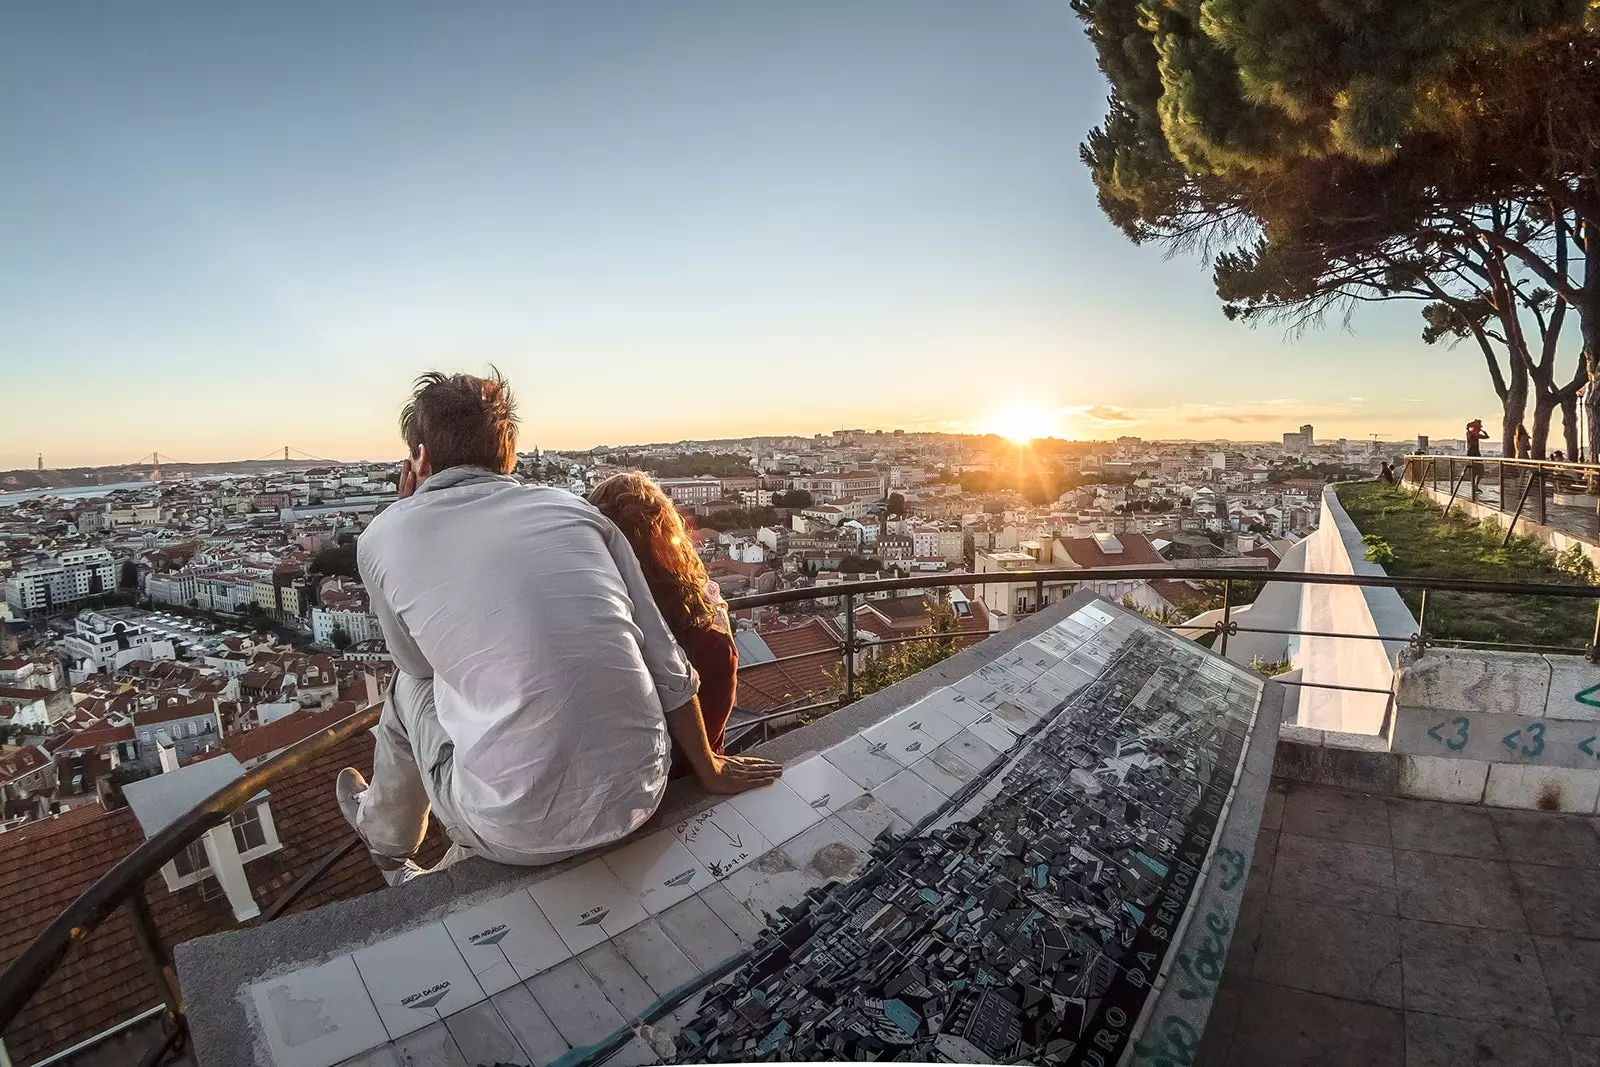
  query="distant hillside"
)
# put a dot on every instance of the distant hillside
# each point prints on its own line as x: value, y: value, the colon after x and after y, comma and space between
x: 72, y: 477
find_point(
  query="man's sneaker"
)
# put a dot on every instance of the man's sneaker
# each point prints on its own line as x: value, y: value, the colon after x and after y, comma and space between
x: 399, y: 875
x: 348, y: 789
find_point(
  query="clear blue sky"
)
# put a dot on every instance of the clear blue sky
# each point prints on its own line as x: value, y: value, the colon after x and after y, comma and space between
x: 229, y: 227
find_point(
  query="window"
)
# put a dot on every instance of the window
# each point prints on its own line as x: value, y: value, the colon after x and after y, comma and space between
x: 247, y: 830
x: 192, y: 860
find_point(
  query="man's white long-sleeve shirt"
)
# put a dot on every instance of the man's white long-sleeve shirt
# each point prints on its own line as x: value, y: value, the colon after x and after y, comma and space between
x: 552, y: 667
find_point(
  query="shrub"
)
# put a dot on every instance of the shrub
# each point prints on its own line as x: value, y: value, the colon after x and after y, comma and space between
x: 1378, y: 550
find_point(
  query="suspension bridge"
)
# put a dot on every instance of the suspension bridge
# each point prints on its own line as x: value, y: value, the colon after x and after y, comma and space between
x: 151, y: 462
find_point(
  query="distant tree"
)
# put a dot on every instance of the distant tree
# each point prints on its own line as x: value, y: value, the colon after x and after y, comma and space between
x: 340, y: 560
x: 120, y: 776
x: 899, y: 662
x: 128, y: 575
x: 794, y: 499
x: 860, y: 565
x: 897, y: 504
x: 339, y: 639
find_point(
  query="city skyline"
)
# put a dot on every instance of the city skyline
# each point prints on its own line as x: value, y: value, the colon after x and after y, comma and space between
x: 709, y: 221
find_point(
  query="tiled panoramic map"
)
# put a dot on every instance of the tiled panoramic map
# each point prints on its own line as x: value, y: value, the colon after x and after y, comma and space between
x: 1030, y: 913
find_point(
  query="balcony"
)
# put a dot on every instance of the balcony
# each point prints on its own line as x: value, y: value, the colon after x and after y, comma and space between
x: 1152, y: 839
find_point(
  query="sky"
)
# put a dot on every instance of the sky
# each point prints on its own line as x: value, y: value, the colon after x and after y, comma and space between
x: 233, y: 227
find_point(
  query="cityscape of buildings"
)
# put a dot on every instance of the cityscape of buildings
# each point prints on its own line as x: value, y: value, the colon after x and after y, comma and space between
x: 162, y: 636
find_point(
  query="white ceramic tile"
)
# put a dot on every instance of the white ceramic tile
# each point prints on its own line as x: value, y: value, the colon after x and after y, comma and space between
x: 587, y: 904
x: 909, y: 796
x: 506, y: 941
x: 979, y: 691
x: 994, y: 731
x: 734, y: 915
x: 913, y: 733
x: 722, y: 839
x: 574, y: 1002
x: 965, y: 710
x: 1092, y: 614
x: 1016, y: 716
x: 870, y: 817
x: 776, y: 810
x: 318, y: 1016
x: 997, y: 676
x: 973, y: 749
x: 658, y: 959
x: 864, y: 762
x: 659, y: 870
x: 417, y: 978
x: 829, y: 851
x: 822, y: 785
x: 947, y: 774
x: 1026, y: 663
x: 698, y: 931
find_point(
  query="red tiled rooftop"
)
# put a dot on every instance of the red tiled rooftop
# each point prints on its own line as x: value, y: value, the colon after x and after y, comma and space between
x: 44, y: 866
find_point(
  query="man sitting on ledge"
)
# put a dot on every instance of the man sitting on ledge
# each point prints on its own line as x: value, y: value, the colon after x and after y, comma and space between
x: 536, y: 681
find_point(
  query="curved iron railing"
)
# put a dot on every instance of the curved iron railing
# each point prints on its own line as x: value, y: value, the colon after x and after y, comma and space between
x: 123, y: 885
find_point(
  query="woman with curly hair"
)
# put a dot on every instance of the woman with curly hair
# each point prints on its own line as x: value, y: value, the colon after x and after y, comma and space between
x: 687, y: 597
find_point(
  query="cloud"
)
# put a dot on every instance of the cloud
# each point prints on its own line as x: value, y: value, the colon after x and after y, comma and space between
x: 1106, y: 413
x: 1358, y: 399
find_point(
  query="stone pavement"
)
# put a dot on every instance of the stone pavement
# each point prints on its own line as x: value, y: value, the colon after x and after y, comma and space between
x: 1378, y: 931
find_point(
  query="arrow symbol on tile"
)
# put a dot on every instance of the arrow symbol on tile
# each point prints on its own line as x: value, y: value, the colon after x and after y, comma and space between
x: 1510, y: 740
x: 1586, y: 746
x: 1588, y: 696
x: 732, y: 840
x: 1433, y: 732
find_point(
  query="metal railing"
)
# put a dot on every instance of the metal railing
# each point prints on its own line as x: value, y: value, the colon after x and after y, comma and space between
x: 1532, y: 482
x: 124, y: 885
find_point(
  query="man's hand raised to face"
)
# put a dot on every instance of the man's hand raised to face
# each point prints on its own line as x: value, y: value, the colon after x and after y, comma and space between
x: 736, y: 774
x: 413, y: 471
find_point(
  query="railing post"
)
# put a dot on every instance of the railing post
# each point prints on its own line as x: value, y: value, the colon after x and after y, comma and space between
x: 1500, y: 470
x: 1594, y: 643
x: 1227, y: 614
x: 849, y: 647
x: 1038, y: 595
x: 1422, y: 624
x: 154, y: 952
x: 1541, y: 497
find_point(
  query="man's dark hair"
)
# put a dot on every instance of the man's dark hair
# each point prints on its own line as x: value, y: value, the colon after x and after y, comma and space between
x: 463, y: 420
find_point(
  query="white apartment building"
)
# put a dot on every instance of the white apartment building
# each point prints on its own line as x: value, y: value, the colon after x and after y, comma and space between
x: 69, y: 577
x: 692, y: 490
x: 924, y: 541
x: 178, y: 588
x: 101, y: 642
x: 360, y: 625
x: 952, y: 544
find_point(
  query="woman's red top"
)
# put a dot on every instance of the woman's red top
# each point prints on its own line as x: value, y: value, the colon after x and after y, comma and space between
x: 712, y: 654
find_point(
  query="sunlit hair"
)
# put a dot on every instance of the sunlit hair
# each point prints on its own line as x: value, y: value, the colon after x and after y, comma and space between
x: 652, y: 525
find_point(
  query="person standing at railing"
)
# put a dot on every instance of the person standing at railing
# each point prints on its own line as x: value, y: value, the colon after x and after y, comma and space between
x: 1475, y: 433
x: 689, y: 600
x: 538, y: 689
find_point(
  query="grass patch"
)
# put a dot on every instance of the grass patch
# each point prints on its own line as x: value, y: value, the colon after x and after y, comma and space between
x: 1419, y: 540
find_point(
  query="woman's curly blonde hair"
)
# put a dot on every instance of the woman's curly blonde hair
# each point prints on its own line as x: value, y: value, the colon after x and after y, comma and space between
x: 651, y: 523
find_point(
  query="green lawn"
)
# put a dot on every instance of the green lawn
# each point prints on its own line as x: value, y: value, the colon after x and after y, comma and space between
x: 1428, y: 543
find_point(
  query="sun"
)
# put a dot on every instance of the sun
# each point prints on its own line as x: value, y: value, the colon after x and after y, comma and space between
x: 1022, y: 425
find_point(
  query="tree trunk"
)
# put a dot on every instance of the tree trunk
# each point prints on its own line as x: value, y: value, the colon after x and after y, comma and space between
x: 1569, y: 426
x: 1544, y: 405
x: 1516, y: 406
